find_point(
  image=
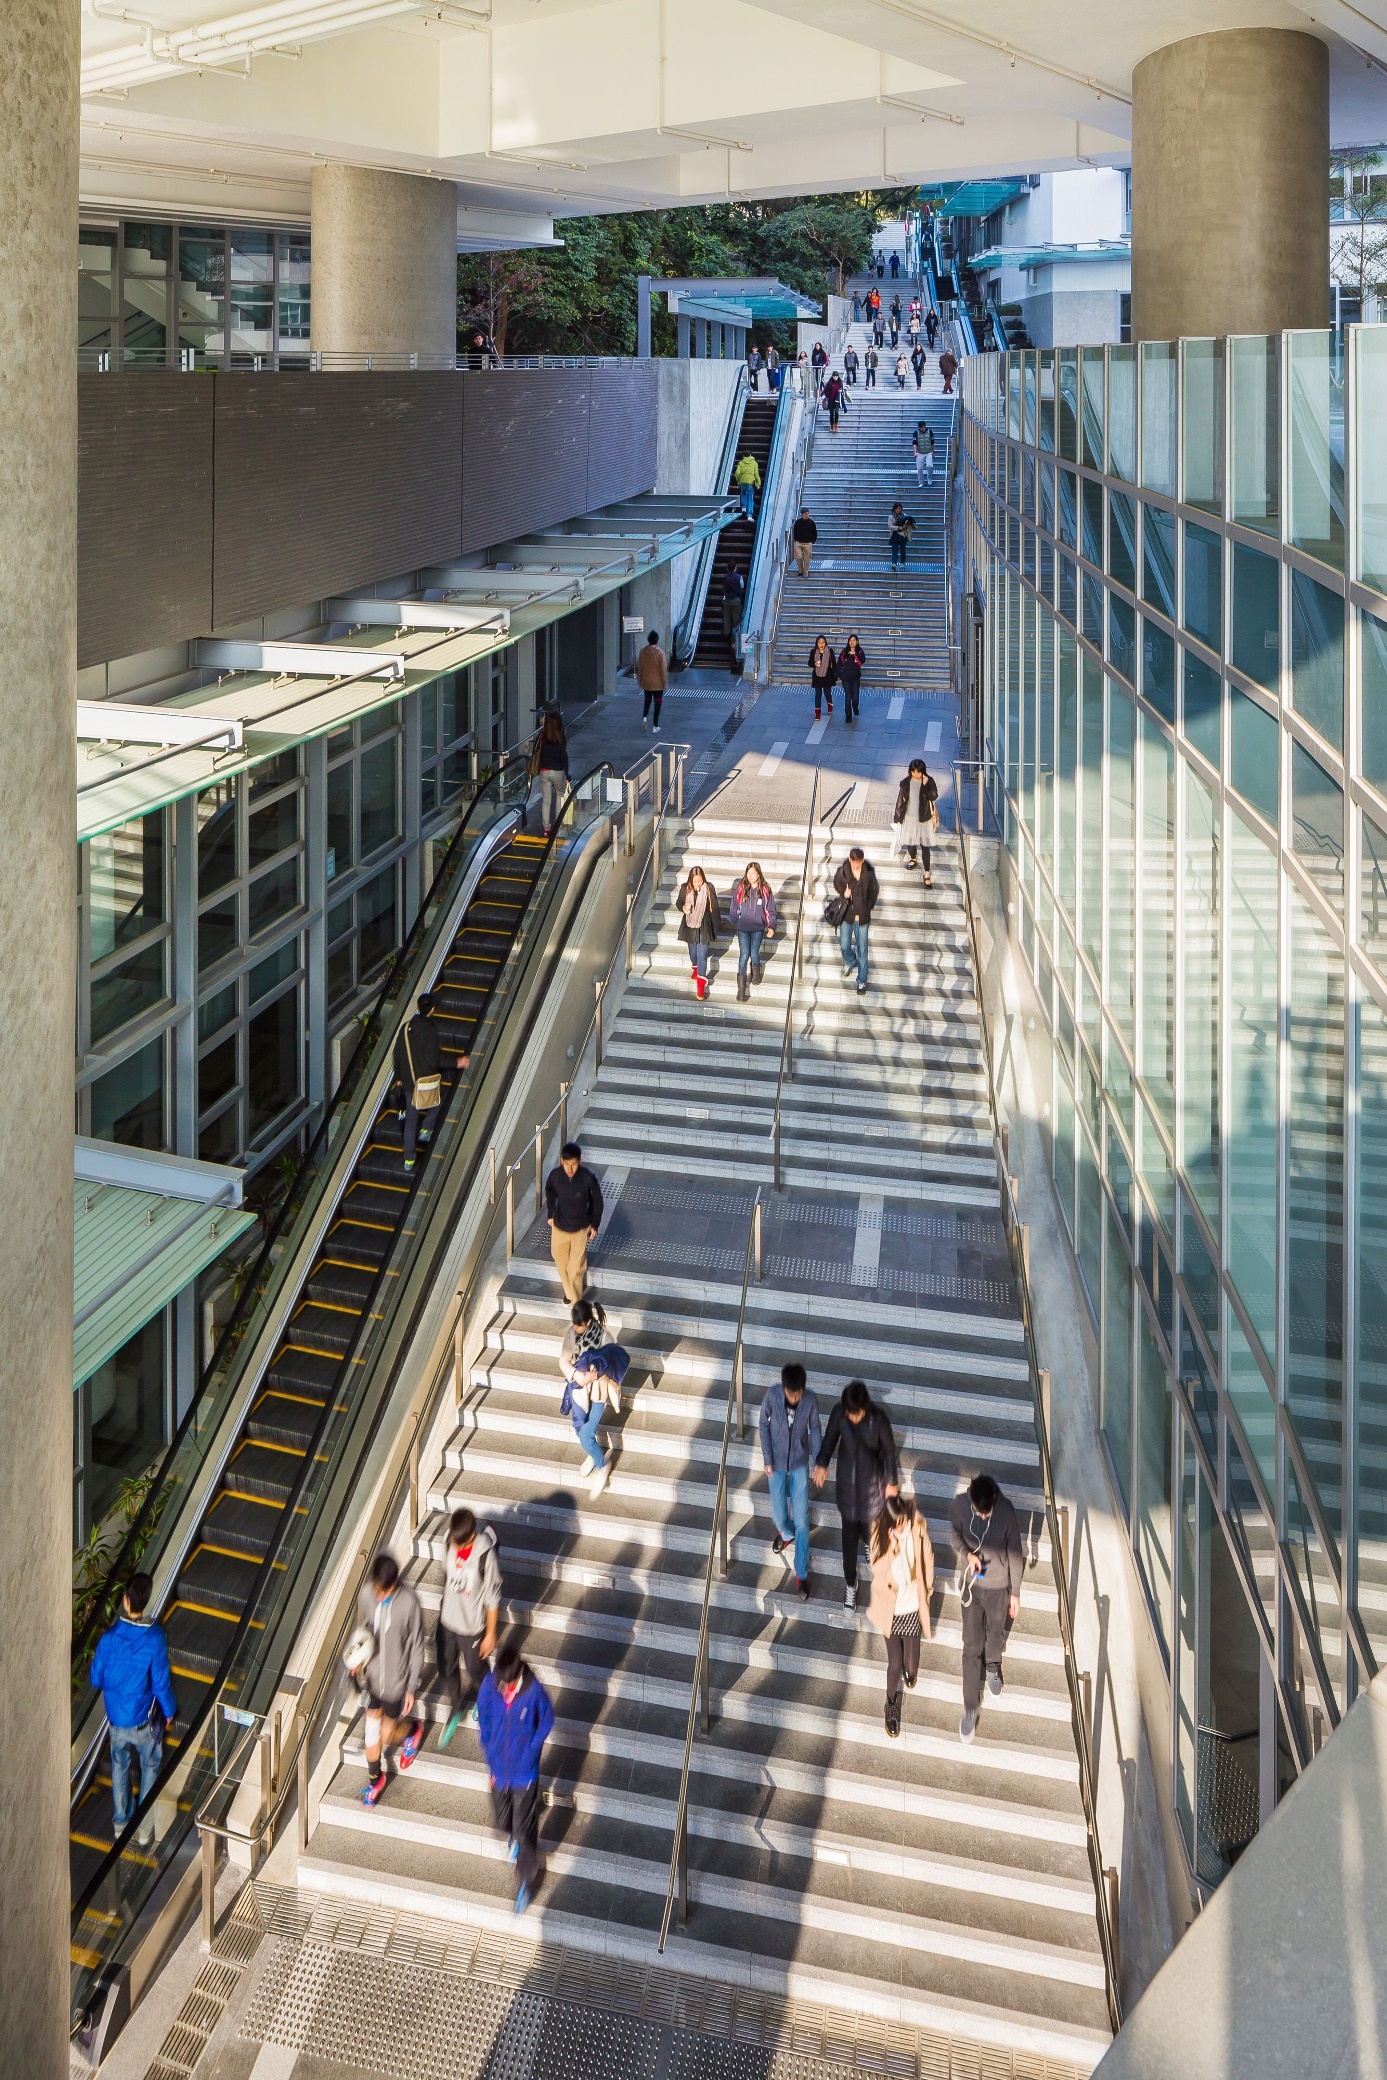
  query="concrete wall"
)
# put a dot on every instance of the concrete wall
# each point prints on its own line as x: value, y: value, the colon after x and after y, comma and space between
x: 692, y: 401
x: 1064, y: 317
x: 384, y: 262
x: 1114, y: 1638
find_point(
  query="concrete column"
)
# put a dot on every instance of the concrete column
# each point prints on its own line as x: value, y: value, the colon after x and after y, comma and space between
x: 703, y: 349
x: 38, y: 856
x: 1230, y: 185
x: 685, y: 342
x: 384, y: 263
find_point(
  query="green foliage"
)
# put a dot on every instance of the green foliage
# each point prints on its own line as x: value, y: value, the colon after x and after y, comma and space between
x: 582, y: 298
x: 92, y: 1590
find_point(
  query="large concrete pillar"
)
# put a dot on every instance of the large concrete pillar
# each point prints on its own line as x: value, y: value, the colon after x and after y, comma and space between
x: 1230, y: 185
x: 38, y: 853
x: 384, y: 263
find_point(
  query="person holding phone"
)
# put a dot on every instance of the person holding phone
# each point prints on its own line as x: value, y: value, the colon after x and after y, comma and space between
x: 986, y: 1536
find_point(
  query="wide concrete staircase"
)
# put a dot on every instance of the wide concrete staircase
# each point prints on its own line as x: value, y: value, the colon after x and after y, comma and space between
x: 916, y: 1879
x: 854, y: 477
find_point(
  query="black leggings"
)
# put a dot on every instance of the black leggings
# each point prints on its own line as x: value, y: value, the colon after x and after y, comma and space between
x: 851, y: 689
x: 856, y: 1532
x: 923, y: 850
x: 901, y: 1654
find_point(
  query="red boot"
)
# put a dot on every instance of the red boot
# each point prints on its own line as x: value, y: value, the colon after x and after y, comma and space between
x: 701, y: 985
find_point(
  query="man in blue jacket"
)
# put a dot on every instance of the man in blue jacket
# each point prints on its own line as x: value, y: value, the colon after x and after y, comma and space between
x: 131, y: 1670
x: 790, y: 1441
x: 515, y: 1718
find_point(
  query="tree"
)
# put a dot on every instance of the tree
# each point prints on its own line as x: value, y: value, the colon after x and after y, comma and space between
x: 1358, y: 247
x: 494, y: 288
x: 837, y: 229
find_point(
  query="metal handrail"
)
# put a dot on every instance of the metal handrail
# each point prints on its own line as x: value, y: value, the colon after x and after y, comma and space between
x: 293, y: 1772
x: 800, y: 460
x: 684, y: 639
x: 678, y: 1887
x: 1018, y: 1244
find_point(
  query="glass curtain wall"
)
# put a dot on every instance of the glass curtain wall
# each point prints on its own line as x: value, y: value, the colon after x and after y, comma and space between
x: 1184, y: 693
x: 191, y: 296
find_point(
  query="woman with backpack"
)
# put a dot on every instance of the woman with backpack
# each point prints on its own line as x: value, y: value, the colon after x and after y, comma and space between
x: 700, y: 923
x: 902, y: 1584
x: 751, y: 914
x: 915, y: 817
x: 851, y: 659
x: 823, y: 675
x: 549, y: 763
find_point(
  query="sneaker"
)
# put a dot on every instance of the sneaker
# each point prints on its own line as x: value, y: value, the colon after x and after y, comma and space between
x: 513, y: 1853
x: 861, y: 989
x: 409, y: 1162
x: 599, y: 1481
x: 967, y: 1727
x: 645, y: 722
x: 994, y: 1681
x: 411, y: 1744
x: 144, y: 1838
x: 779, y: 1544
x: 656, y: 731
x: 850, y: 1597
x: 472, y: 1718
x: 805, y: 1587
x: 522, y: 1899
x: 375, y: 1789
x: 848, y: 973
x: 589, y: 1465
x: 454, y: 1721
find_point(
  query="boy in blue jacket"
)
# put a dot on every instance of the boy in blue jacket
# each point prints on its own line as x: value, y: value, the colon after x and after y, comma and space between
x: 514, y: 1718
x: 131, y: 1669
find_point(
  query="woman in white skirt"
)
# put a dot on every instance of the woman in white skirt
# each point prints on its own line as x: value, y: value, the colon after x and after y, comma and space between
x: 916, y: 815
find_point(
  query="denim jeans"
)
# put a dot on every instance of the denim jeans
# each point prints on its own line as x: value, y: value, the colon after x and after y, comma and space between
x: 794, y: 1523
x: 898, y: 547
x: 749, y: 500
x: 414, y: 1122
x: 852, y: 938
x: 126, y: 1743
x: 587, y: 1431
x: 698, y: 957
x: 749, y: 947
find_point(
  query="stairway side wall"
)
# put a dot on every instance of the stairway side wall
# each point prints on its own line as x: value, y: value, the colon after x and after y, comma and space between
x: 1114, y: 1637
x: 692, y: 403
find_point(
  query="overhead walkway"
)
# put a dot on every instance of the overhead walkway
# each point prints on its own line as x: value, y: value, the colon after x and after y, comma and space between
x: 247, y: 1499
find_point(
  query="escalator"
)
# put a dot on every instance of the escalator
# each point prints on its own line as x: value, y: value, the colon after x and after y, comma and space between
x: 295, y: 1385
x: 735, y: 544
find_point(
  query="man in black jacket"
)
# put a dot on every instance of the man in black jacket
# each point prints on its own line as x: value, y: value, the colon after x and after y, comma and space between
x: 803, y: 535
x: 862, y: 1437
x: 573, y: 1202
x: 856, y: 882
x: 419, y: 1059
x: 986, y: 1536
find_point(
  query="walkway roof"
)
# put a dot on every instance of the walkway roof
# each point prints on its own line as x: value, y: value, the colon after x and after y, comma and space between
x: 145, y: 1225
x: 250, y: 715
x: 1050, y: 256
x: 761, y: 294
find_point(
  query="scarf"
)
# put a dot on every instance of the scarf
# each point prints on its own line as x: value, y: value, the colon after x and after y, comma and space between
x: 695, y: 904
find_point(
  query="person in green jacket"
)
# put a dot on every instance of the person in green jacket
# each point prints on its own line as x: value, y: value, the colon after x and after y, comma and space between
x: 747, y: 478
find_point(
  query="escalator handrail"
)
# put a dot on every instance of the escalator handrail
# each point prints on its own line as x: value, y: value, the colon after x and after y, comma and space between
x: 684, y: 639
x: 100, y: 1616
x: 762, y: 549
x: 266, y: 1567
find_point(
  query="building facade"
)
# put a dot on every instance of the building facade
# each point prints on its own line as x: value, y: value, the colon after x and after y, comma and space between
x: 1179, y: 557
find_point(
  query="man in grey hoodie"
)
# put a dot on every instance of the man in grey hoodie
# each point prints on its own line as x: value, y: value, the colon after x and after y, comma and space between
x: 389, y: 1611
x: 469, y: 1615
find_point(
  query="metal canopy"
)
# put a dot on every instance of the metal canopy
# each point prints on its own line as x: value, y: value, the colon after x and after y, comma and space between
x: 763, y: 295
x: 145, y: 1225
x: 412, y: 613
x: 1050, y: 256
x: 976, y: 198
x: 116, y: 782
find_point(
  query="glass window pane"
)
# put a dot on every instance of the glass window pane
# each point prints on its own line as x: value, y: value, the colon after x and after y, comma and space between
x: 1156, y: 880
x: 1066, y: 790
x: 380, y: 818
x: 1120, y: 995
x: 1069, y: 508
x: 1158, y: 667
x: 216, y: 837
x: 216, y: 1073
x: 1317, y: 444
x: 1374, y: 700
x: 273, y: 772
x: 1199, y: 1113
x: 1256, y: 646
x: 273, y: 828
x: 1317, y: 824
x: 217, y: 1010
x: 252, y: 292
x: 1122, y: 413
x: 1064, y: 1152
x: 1370, y: 345
x: 1152, y: 1512
x: 1122, y: 539
x: 1117, y: 1358
x: 1252, y: 1533
x: 1158, y: 417
x: 127, y: 1103
x: 1202, y: 693
x: 341, y: 971
x: 1203, y: 423
x: 1158, y: 559
x: 1200, y: 1274
x: 1200, y: 1389
x: 1122, y: 636
x: 272, y: 1060
x: 1317, y: 656
x: 377, y: 910
x: 1092, y: 811
x: 127, y: 1416
x: 201, y: 287
x: 1194, y: 1511
x: 220, y: 1140
x: 341, y: 826
x: 1315, y: 1574
x: 1204, y: 585
x: 1091, y: 1204
x: 1372, y: 1324
x: 1252, y: 1402
x: 125, y: 876
x: 1256, y: 433
x: 379, y: 722
x: 146, y: 261
x: 265, y: 974
x: 1256, y: 754
x: 1315, y: 1358
x: 1067, y: 386
x: 1372, y: 931
x: 273, y: 896
x: 1250, y: 1145
x: 294, y: 289
x: 1226, y: 1685
x: 137, y: 985
x: 1093, y: 521
x: 96, y: 297
x: 217, y: 934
